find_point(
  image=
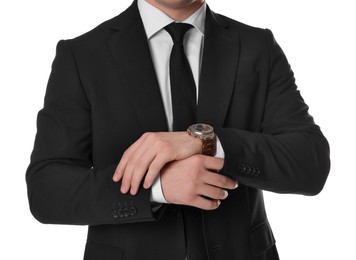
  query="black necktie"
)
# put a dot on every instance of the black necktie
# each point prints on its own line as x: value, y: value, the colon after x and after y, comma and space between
x: 184, y: 104
x: 183, y: 90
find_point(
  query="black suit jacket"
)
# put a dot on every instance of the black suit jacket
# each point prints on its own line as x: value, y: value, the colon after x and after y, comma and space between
x: 103, y: 95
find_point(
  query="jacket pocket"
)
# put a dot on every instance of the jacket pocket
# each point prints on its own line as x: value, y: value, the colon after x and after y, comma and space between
x: 97, y: 251
x: 261, y: 238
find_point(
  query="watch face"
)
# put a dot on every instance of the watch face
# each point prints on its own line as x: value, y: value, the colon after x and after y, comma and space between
x: 202, y: 128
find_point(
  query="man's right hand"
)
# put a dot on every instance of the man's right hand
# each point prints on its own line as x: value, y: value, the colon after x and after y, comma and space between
x: 194, y: 182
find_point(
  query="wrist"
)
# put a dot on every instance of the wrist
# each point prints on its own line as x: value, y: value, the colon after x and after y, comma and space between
x: 196, y: 144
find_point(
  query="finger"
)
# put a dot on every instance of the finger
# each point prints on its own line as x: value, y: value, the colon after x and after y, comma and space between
x: 213, y: 163
x: 131, y: 158
x: 117, y: 174
x: 206, y: 204
x: 135, y: 170
x: 119, y: 171
x: 126, y: 180
x: 155, y: 167
x: 141, y: 165
x: 212, y: 192
x: 136, y: 181
x: 219, y: 180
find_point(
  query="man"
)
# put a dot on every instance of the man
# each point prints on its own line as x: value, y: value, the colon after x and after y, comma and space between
x: 112, y: 150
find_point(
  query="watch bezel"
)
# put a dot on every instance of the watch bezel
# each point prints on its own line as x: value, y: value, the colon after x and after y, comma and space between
x: 202, y: 131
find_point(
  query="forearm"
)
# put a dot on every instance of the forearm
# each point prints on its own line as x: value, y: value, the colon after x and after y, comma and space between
x: 64, y: 183
x: 283, y: 150
x: 285, y: 163
x: 67, y: 192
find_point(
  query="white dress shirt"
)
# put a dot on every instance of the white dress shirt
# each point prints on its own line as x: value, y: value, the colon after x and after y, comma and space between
x: 160, y: 44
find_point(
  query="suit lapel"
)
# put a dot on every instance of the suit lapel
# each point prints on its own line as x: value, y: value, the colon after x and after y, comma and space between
x: 218, y: 72
x: 134, y: 64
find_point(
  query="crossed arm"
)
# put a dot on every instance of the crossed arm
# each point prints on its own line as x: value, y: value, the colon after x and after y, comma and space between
x: 187, y: 177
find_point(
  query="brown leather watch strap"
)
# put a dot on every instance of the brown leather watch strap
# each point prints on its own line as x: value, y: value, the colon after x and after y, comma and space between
x: 209, y: 147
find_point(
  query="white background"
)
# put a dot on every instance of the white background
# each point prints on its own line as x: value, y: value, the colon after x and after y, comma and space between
x: 318, y: 38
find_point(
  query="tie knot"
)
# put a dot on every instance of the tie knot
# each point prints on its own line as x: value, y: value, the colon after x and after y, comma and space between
x: 177, y: 31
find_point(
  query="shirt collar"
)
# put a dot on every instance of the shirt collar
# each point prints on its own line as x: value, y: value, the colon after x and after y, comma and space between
x: 154, y: 19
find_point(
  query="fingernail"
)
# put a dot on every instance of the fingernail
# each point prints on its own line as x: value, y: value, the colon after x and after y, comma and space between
x: 219, y: 202
x: 225, y: 194
x: 114, y: 178
x: 236, y: 185
x: 123, y: 189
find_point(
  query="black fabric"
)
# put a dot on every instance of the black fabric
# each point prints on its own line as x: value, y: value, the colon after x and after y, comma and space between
x: 183, y: 90
x: 194, y: 234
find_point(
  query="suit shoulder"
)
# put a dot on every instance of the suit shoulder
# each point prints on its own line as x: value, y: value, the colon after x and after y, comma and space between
x: 243, y: 29
x: 95, y: 35
x: 254, y: 38
x: 98, y: 34
x: 102, y: 33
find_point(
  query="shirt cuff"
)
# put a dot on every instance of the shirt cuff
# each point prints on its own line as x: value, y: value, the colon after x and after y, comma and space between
x: 219, y: 149
x: 156, y: 191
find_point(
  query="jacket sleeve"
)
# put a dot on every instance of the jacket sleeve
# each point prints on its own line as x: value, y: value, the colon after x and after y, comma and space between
x: 289, y: 154
x: 64, y: 187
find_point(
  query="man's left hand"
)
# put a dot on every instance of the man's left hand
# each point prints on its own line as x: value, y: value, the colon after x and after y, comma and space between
x: 147, y: 156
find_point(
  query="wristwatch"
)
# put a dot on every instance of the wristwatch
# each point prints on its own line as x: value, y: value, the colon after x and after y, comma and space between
x: 205, y: 133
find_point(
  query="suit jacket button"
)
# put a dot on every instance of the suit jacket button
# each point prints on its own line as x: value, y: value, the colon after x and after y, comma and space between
x: 126, y: 212
x: 242, y: 168
x: 120, y: 213
x: 133, y: 211
x: 248, y: 170
x: 114, y: 213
